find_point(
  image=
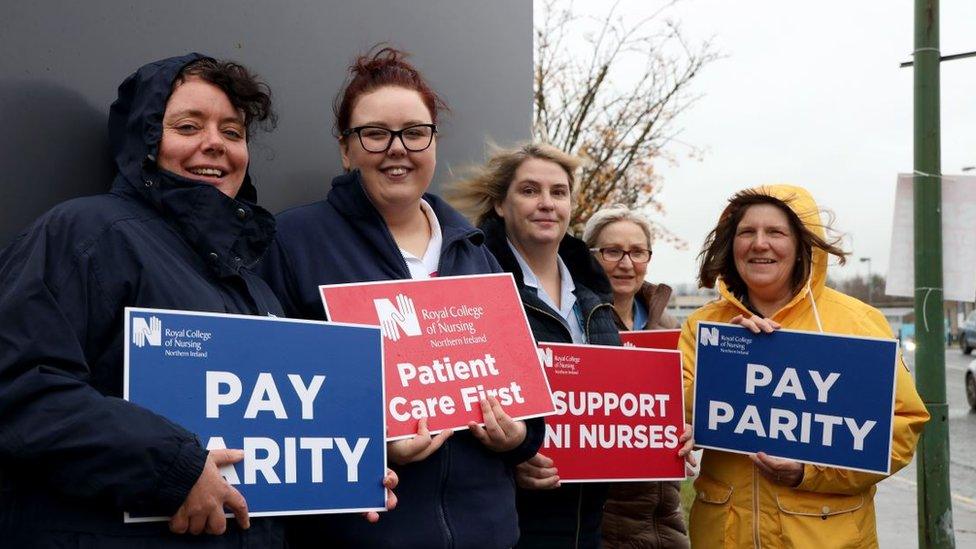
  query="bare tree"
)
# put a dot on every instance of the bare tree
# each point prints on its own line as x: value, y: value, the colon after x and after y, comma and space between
x: 869, y: 290
x: 613, y: 99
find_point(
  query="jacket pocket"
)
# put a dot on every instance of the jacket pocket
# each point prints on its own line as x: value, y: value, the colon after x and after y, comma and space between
x: 711, y: 514
x: 812, y: 519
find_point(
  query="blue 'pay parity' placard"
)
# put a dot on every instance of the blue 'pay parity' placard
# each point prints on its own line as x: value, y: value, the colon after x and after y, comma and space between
x: 818, y: 398
x: 303, y: 399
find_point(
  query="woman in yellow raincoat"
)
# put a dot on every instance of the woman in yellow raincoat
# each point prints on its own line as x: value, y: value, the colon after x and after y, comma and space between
x: 768, y: 256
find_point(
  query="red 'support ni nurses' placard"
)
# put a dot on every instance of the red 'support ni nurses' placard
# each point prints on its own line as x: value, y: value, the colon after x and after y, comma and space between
x: 448, y: 343
x: 651, y: 339
x: 620, y: 412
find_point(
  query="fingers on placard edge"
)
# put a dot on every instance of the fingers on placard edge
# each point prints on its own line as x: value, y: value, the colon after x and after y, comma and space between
x: 548, y: 472
x: 549, y: 483
x: 197, y: 524
x: 435, y: 443
x: 488, y: 414
x: 479, y: 432
x: 216, y: 522
x: 179, y: 523
x: 238, y: 505
x: 391, y: 480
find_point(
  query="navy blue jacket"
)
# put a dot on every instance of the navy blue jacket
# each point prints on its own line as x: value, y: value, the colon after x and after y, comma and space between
x: 73, y: 453
x: 463, y: 495
x: 568, y: 516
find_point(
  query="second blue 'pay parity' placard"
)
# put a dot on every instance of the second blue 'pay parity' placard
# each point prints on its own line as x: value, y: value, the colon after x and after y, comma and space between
x: 303, y: 399
x: 817, y: 398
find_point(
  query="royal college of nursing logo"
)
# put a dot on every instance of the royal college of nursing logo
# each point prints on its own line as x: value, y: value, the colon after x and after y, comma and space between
x: 564, y: 364
x: 708, y: 336
x: 545, y: 356
x: 144, y: 331
x: 393, y: 319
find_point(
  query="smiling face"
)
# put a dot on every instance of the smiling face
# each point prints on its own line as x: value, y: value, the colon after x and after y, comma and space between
x: 395, y: 179
x: 204, y: 136
x: 625, y: 276
x: 765, y: 251
x: 537, y: 205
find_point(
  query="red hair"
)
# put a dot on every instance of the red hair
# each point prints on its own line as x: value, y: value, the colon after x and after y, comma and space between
x: 386, y: 67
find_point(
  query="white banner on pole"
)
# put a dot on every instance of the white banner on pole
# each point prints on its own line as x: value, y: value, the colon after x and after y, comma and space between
x: 958, y: 239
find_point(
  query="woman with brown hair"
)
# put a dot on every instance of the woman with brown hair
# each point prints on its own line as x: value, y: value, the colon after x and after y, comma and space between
x: 379, y: 223
x: 179, y: 228
x: 768, y: 256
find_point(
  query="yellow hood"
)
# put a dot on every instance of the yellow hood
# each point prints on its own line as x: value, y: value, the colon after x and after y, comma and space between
x: 735, y: 505
x: 805, y: 207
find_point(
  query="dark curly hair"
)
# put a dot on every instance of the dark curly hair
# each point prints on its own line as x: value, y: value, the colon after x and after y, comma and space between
x: 386, y: 67
x: 244, y: 89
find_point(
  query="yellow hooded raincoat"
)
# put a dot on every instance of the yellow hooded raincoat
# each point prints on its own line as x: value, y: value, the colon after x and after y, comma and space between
x: 735, y: 506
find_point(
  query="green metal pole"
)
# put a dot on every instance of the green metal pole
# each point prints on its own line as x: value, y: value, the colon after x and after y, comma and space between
x: 934, y: 499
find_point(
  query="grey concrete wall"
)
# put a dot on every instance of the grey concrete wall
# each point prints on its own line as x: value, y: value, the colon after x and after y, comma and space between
x: 63, y: 61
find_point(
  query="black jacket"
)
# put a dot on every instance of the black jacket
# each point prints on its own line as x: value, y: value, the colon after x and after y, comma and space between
x: 463, y: 495
x: 73, y: 454
x: 568, y: 516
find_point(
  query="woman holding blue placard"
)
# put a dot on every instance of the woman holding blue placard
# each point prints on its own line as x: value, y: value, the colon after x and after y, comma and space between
x: 178, y: 229
x: 768, y: 256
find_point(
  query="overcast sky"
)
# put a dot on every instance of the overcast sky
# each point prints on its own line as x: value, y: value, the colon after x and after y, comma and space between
x: 808, y: 93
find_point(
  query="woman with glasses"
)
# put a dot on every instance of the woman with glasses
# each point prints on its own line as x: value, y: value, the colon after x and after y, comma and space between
x: 621, y: 242
x: 637, y: 514
x: 522, y: 200
x: 379, y: 223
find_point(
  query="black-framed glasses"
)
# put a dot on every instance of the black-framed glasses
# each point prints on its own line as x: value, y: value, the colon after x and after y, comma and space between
x: 637, y: 255
x: 378, y: 139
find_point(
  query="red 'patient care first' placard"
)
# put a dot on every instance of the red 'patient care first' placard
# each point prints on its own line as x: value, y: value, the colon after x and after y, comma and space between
x: 651, y: 339
x: 620, y: 412
x: 448, y: 343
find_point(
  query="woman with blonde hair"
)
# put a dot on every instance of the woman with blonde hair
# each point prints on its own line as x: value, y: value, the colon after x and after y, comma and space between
x: 620, y: 239
x: 522, y: 200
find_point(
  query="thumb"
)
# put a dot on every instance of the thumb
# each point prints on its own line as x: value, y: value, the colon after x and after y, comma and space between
x: 540, y: 460
x: 226, y: 457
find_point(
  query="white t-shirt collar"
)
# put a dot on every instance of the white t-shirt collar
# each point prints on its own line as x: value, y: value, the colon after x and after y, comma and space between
x: 425, y: 267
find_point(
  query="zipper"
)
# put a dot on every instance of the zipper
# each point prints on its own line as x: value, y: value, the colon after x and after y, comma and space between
x: 586, y: 334
x: 586, y: 328
x: 388, y: 236
x: 441, y: 508
x: 756, y: 542
x: 579, y: 500
x: 554, y: 317
x: 579, y: 518
x: 590, y: 316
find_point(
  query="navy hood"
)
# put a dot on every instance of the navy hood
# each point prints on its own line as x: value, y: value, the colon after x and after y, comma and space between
x: 230, y: 232
x: 135, y: 122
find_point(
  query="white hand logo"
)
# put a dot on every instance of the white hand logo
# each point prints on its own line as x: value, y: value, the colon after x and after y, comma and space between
x: 393, y: 319
x: 143, y: 332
